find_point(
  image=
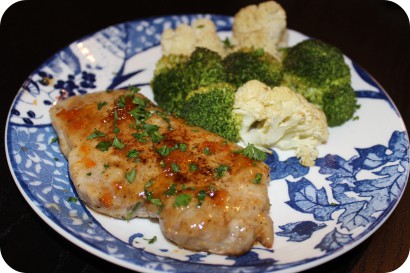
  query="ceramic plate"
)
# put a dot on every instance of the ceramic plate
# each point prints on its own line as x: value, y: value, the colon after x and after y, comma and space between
x: 319, y: 212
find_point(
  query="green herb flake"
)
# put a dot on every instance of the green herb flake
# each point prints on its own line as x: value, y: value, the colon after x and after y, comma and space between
x: 182, y: 200
x: 72, y: 199
x: 182, y: 147
x: 207, y: 151
x: 152, y: 240
x: 134, y: 90
x: 121, y: 102
x: 101, y: 104
x: 193, y: 167
x: 133, y: 153
x: 254, y: 153
x: 156, y: 201
x: 148, y: 184
x: 220, y: 171
x: 89, y: 174
x: 201, y: 196
x: 156, y: 137
x: 257, y: 179
x: 130, y: 176
x: 164, y: 150
x: 95, y: 134
x: 140, y: 137
x: 118, y: 143
x: 171, y: 190
x: 133, y: 210
x: 227, y: 43
x: 54, y: 139
x: 103, y: 146
x: 175, y: 167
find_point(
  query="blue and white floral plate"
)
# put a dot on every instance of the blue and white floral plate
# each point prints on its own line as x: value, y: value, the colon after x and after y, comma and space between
x: 319, y: 212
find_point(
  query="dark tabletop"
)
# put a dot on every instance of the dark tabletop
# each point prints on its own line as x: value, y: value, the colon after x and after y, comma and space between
x: 374, y: 33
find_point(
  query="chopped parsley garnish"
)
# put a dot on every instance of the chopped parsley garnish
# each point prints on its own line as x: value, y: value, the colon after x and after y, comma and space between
x: 121, y: 102
x: 54, y: 139
x: 89, y: 174
x: 193, y: 167
x: 156, y: 202
x: 254, y: 153
x: 72, y: 199
x: 227, y: 43
x: 103, y: 146
x: 220, y: 171
x: 101, y: 104
x: 164, y: 150
x: 257, y: 179
x: 148, y: 184
x: 152, y: 240
x: 96, y: 134
x: 134, y: 90
x: 140, y: 137
x: 174, y: 167
x: 133, y: 153
x: 182, y: 147
x: 118, y: 143
x: 182, y: 200
x: 133, y: 210
x: 130, y: 176
x: 156, y: 137
x: 201, y: 196
x: 207, y: 151
x: 171, y: 190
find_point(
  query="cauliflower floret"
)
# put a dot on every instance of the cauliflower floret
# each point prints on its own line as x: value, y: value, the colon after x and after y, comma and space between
x: 279, y: 117
x: 260, y: 26
x: 184, y: 39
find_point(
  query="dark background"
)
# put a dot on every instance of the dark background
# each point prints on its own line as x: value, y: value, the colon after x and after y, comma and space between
x: 374, y: 33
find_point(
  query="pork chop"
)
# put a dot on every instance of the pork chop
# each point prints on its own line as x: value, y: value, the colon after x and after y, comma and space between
x: 127, y: 158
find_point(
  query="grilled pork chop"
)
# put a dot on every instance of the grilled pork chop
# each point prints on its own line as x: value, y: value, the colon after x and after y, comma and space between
x: 127, y: 158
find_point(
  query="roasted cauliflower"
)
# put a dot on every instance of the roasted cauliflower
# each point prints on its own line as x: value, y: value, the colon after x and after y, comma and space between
x: 279, y: 117
x: 260, y: 26
x: 185, y: 38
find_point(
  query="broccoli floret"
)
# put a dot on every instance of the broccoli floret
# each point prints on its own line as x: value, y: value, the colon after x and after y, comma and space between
x: 339, y: 105
x: 176, y: 76
x: 210, y: 107
x: 168, y: 62
x: 316, y: 69
x: 252, y: 64
x: 203, y: 68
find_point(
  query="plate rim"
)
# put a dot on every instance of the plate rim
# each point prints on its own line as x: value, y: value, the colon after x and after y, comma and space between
x: 132, y: 266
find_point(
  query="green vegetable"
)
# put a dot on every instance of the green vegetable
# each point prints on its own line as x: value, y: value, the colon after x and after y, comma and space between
x: 103, y: 146
x: 175, y: 79
x: 252, y: 64
x: 254, y: 153
x: 182, y: 200
x: 95, y: 134
x: 211, y: 108
x: 220, y: 171
x: 130, y: 176
x: 339, y: 105
x: 318, y: 71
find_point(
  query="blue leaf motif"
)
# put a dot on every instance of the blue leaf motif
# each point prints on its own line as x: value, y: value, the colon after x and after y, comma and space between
x: 333, y: 241
x: 251, y: 259
x: 399, y: 144
x: 281, y: 169
x: 304, y: 197
x: 340, y: 170
x: 299, y: 231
